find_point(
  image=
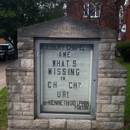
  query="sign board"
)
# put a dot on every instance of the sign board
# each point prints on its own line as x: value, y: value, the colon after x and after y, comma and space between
x: 66, y: 72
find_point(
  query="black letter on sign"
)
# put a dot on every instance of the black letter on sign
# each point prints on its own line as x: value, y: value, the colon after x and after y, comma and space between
x: 54, y: 63
x: 60, y: 55
x: 49, y: 71
x: 58, y: 94
x: 77, y: 71
x: 64, y: 54
x: 49, y: 84
x: 74, y: 63
x: 58, y: 71
x: 54, y: 84
x: 70, y: 85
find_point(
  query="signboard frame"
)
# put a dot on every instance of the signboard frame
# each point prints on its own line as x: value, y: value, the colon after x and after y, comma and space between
x: 95, y: 43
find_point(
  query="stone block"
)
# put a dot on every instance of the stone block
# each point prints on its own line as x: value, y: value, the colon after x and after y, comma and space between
x: 29, y: 54
x: 106, y: 55
x: 27, y: 98
x: 23, y: 117
x: 22, y: 89
x: 25, y: 106
x: 103, y: 115
x: 9, y: 87
x: 28, y: 45
x: 57, y: 123
x: 118, y: 99
x: 112, y: 82
x: 103, y: 99
x: 14, y: 98
x: 78, y: 124
x: 10, y: 106
x: 20, y: 80
x: 18, y: 73
x: 104, y: 46
x: 20, y: 124
x: 110, y: 125
x: 27, y: 89
x: 20, y: 45
x: 107, y: 119
x: 121, y: 108
x: 16, y: 89
x: 101, y: 75
x: 9, y: 91
x: 26, y: 113
x: 108, y: 40
x: 41, y: 124
x: 10, y: 117
x: 30, y: 73
x: 121, y: 119
x: 99, y: 106
x: 107, y: 90
x: 31, y: 106
x: 19, y: 112
x: 25, y: 39
x: 16, y: 106
x: 27, y: 63
x: 123, y: 75
x: 8, y: 73
x: 113, y: 76
x: 105, y: 64
x: 122, y: 91
x: 94, y: 125
x: 117, y: 115
x: 112, y: 57
x: 112, y: 71
x: 110, y: 108
x: 113, y: 46
x: 27, y: 80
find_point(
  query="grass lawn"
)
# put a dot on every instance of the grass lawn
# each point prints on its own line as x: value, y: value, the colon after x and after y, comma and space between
x: 3, y: 99
x: 127, y: 105
x: 3, y: 109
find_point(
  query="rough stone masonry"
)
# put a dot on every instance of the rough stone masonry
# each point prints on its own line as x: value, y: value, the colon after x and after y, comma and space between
x: 110, y: 99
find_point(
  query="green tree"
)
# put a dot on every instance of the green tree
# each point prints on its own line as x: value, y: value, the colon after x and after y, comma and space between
x: 16, y: 14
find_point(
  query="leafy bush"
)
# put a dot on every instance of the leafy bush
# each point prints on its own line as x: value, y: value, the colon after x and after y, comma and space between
x: 124, y: 49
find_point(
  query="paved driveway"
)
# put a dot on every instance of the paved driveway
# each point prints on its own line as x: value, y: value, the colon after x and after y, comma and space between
x: 3, y: 65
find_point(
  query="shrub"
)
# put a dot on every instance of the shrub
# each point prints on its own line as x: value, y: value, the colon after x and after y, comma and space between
x: 124, y: 49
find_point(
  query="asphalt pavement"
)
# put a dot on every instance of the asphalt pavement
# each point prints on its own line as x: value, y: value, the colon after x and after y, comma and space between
x: 3, y: 65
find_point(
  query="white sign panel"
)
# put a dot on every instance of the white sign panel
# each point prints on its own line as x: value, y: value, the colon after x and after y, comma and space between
x: 66, y: 76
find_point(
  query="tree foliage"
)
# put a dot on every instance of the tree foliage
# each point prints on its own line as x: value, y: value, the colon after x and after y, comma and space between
x: 16, y: 14
x: 124, y: 49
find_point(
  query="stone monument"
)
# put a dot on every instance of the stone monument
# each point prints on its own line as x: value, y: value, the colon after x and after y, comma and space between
x: 66, y: 78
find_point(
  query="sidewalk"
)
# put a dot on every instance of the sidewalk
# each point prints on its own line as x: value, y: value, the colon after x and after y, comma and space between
x: 3, y: 65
